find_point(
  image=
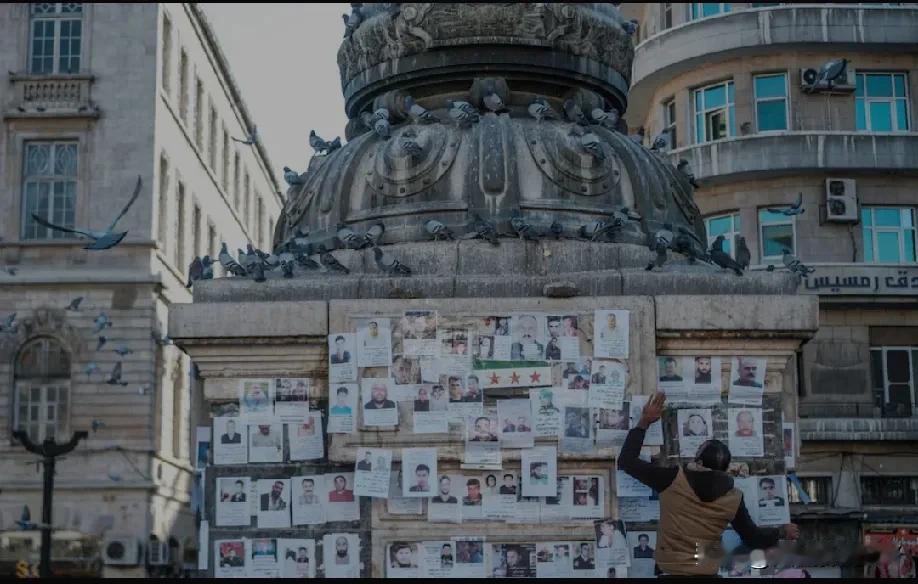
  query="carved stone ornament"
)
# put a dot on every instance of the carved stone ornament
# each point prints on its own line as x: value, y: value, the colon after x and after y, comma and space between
x: 43, y: 322
x: 396, y: 174
x: 560, y: 158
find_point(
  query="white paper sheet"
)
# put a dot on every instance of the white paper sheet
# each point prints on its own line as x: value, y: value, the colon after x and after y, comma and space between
x: 545, y: 411
x: 515, y: 423
x: 513, y: 560
x: 482, y: 443
x: 639, y: 509
x: 529, y: 337
x: 540, y: 470
x: 308, y: 499
x: 465, y: 395
x: 398, y: 505
x: 342, y: 504
x: 577, y: 432
x: 378, y: 408
x: 445, y: 506
x: 273, y: 502
x: 374, y: 342
x: 342, y: 357
x: 610, y: 334
x: 229, y: 558
x: 291, y: 398
x: 473, y: 499
x: 707, y: 381
x: 266, y: 442
x: 584, y: 562
x: 747, y: 380
x: 262, y: 561
x: 499, y: 493
x: 256, y: 399
x: 588, y: 496
x: 607, y: 384
x: 744, y: 427
x: 611, y: 426
x: 403, y: 559
x: 305, y: 438
x: 771, y: 506
x: 694, y: 428
x: 371, y: 472
x: 611, y: 545
x: 230, y: 441
x: 419, y: 471
x: 430, y: 415
x: 342, y: 408
x: 628, y: 486
x: 418, y: 331
x: 232, y: 501
x: 642, y: 546
x: 297, y: 558
x: 494, y: 338
x: 553, y: 559
x: 559, y: 508
x: 341, y: 555
x: 203, y: 543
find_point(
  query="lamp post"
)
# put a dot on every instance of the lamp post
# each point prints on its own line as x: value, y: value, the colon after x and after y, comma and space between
x: 48, y: 450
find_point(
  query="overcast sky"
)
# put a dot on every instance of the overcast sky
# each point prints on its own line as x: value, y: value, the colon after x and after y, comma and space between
x: 284, y: 58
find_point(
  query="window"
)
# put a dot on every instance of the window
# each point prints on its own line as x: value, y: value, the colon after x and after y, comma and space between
x: 49, y: 188
x: 726, y: 225
x: 889, y: 490
x: 892, y: 372
x: 211, y: 241
x: 666, y: 15
x: 212, y: 140
x: 881, y: 102
x: 771, y: 102
x: 56, y: 38
x: 818, y: 489
x: 669, y: 122
x: 42, y: 380
x: 196, y: 231
x: 889, y: 234
x: 183, y: 86
x: 776, y: 233
x: 178, y: 391
x: 714, y: 116
x: 226, y: 161
x: 166, y: 65
x: 199, y: 113
x: 705, y: 9
x: 180, y: 227
x: 163, y: 219
x: 236, y: 181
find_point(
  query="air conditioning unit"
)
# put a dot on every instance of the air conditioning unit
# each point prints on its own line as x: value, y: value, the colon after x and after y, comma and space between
x: 846, y: 85
x: 158, y: 553
x: 841, y: 200
x: 121, y: 551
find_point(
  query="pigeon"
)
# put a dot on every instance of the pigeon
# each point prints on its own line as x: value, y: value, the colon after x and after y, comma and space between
x: 101, y: 322
x: 349, y: 237
x: 494, y: 103
x: 381, y: 114
x: 208, y: 268
x: 305, y: 262
x: 556, y: 229
x: 9, y: 326
x: 438, y: 230
x: 683, y: 167
x: 606, y: 119
x: 322, y: 146
x: 352, y: 20
x: 629, y: 214
x: 97, y: 425
x: 257, y: 256
x: 630, y: 26
x: 115, y: 377
x: 390, y: 265
x: 661, y: 142
x: 639, y: 137
x: 91, y: 368
x: 482, y: 229
x: 743, y: 257
x: 722, y: 258
x: 258, y: 272
x: 250, y: 139
x: 101, y: 240
x: 101, y: 342
x: 409, y: 145
x: 292, y: 177
x: 521, y: 227
x: 123, y: 351
x: 230, y: 265
x: 75, y: 303
x: 540, y: 109
x: 596, y: 229
x: 684, y: 243
x: 659, y: 244
x: 794, y: 265
x: 593, y: 145
x: 574, y: 114
x: 379, y: 125
x: 795, y: 209
x: 463, y: 113
x: 195, y: 271
x: 287, y: 264
x: 829, y: 73
x: 418, y: 113
x: 375, y: 233
x: 11, y: 271
x: 330, y: 262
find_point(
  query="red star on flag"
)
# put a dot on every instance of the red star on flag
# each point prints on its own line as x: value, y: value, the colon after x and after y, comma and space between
x: 494, y: 379
x: 514, y: 377
x: 535, y: 377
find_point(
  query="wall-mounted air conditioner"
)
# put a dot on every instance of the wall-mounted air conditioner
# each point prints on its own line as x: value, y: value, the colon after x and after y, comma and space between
x: 158, y: 553
x: 841, y: 200
x: 121, y: 551
x: 847, y: 84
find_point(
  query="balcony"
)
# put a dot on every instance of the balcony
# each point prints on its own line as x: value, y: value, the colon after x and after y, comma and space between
x: 788, y: 153
x: 762, y: 30
x: 51, y: 96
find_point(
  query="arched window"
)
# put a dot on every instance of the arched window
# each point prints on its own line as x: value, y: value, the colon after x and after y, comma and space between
x: 42, y: 382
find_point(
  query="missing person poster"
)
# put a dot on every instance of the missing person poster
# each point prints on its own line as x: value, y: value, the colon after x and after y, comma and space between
x: 610, y: 334
x: 291, y: 398
x: 494, y: 338
x: 499, y: 495
x: 266, y: 442
x: 403, y: 559
x: 341, y: 555
x: 308, y: 500
x: 273, y: 502
x: 771, y: 507
x: 371, y: 473
x: 342, y: 505
x: 256, y: 399
x: 577, y: 433
x: 671, y: 377
x: 445, y: 505
x: 642, y: 548
x: 374, y: 342
x: 553, y: 559
x: 482, y: 442
x: 694, y: 428
x: 201, y: 447
x: 706, y: 381
x: 378, y: 408
x: 430, y: 414
x: 230, y: 441
x: 342, y: 357
x: 513, y: 560
x: 747, y: 380
x: 545, y: 413
x: 588, y: 496
x: 607, y: 384
x: 611, y: 544
x: 558, y: 508
x: 419, y: 467
x: 342, y: 408
x: 611, y: 425
x: 396, y: 504
x: 233, y: 506
x: 744, y: 428
x: 297, y: 558
x: 262, y: 561
x: 540, y: 470
x: 229, y: 558
x: 305, y: 438
x: 529, y: 337
x: 418, y: 332
x: 515, y: 423
x: 654, y: 434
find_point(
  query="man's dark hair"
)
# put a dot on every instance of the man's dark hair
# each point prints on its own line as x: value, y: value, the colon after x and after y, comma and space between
x: 445, y: 477
x: 767, y: 480
x: 307, y: 481
x: 669, y: 360
x: 240, y: 483
x: 341, y: 390
x: 644, y: 536
x: 421, y: 467
x: 508, y: 475
x: 475, y: 377
x: 473, y: 482
x: 714, y: 455
x: 399, y: 546
x: 342, y: 478
x: 339, y: 338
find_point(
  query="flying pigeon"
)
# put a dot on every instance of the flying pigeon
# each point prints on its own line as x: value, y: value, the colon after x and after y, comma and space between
x: 794, y: 265
x: 330, y: 262
x: 574, y: 114
x: 75, y: 303
x: 292, y: 177
x: 540, y: 109
x: 390, y: 265
x: 438, y: 230
x: 743, y: 256
x: 639, y: 137
x: 418, y: 113
x: 91, y: 368
x: 9, y: 326
x: 410, y: 146
x: 593, y: 145
x: 521, y: 227
x: 482, y: 229
x: 606, y: 119
x: 795, y: 209
x: 375, y: 233
x: 463, y: 113
x: 101, y: 342
x: 101, y: 240
x: 230, y: 265
x: 556, y: 229
x: 683, y: 167
x: 630, y: 26
x: 101, y: 322
x: 661, y: 142
x: 722, y: 258
x: 123, y: 351
x: 195, y: 271
x: 494, y: 103
x: 349, y: 237
x: 115, y: 377
x: 322, y: 146
x: 250, y: 139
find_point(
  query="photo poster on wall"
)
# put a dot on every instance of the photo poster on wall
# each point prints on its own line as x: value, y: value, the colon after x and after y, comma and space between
x: 744, y: 428
x: 230, y: 442
x: 341, y: 555
x: 747, y: 380
x: 256, y: 399
x: 371, y: 472
x: 305, y: 437
x: 291, y: 398
x: 342, y: 408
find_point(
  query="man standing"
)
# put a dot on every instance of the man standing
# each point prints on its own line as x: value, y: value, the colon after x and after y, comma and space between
x: 696, y: 503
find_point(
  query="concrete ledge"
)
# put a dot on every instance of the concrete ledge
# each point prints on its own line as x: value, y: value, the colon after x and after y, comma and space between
x: 774, y: 313
x: 858, y: 429
x: 249, y: 319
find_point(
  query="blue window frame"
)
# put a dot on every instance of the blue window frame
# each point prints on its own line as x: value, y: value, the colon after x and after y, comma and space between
x: 714, y: 112
x: 771, y: 102
x: 889, y: 234
x: 881, y: 102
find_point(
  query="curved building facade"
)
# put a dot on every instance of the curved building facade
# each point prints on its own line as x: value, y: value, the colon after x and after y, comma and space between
x: 736, y: 90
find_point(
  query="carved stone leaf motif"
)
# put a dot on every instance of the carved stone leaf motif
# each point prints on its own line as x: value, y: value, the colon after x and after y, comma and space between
x: 566, y: 164
x: 396, y: 174
x: 43, y: 322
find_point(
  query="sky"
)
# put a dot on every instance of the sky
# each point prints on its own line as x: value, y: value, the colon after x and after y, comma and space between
x: 284, y: 59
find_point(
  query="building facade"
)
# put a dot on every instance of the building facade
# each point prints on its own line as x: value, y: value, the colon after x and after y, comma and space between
x: 735, y: 88
x: 97, y: 95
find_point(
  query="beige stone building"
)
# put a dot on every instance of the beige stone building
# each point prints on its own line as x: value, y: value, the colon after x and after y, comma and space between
x: 96, y: 95
x: 731, y: 86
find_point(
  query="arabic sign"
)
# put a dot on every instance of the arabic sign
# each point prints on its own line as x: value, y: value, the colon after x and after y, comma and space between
x: 861, y: 280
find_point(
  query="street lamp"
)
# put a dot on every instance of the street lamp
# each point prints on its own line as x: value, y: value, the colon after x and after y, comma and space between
x: 48, y: 450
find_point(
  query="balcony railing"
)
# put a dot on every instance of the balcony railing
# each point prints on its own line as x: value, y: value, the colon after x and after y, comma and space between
x: 51, y: 94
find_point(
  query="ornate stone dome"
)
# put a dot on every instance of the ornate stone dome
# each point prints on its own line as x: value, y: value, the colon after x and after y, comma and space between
x: 548, y: 170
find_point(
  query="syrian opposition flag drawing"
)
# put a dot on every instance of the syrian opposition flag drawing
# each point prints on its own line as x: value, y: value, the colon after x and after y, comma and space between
x: 493, y: 374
